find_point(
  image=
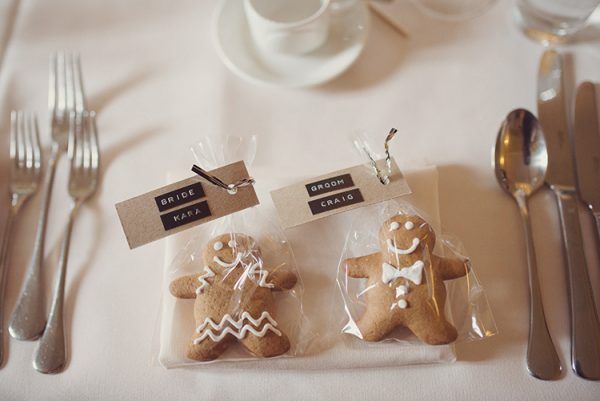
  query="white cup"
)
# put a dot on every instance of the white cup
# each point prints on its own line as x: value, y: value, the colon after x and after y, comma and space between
x: 288, y: 26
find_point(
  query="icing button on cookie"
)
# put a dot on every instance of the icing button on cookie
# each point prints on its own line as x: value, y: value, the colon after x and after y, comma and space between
x: 402, y: 304
x: 401, y: 290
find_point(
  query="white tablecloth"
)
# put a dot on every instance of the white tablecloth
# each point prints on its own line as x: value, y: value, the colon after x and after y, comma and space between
x: 157, y: 84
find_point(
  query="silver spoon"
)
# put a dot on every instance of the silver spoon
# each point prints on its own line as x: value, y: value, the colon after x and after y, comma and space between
x: 520, y: 164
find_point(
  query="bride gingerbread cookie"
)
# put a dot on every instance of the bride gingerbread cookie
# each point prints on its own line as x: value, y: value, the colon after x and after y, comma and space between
x: 234, y: 300
x: 406, y: 282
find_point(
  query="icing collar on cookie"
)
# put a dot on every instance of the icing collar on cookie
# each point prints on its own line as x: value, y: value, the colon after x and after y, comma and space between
x: 398, y: 251
x: 237, y: 260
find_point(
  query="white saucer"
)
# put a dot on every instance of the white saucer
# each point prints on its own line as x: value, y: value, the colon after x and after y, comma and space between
x: 347, y: 37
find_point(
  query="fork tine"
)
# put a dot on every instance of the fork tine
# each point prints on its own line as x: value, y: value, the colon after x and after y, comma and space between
x: 21, y: 140
x: 52, y: 84
x: 61, y: 85
x: 85, y: 143
x: 27, y: 140
x: 79, y: 93
x: 75, y: 132
x: 95, y: 151
x: 71, y: 139
x: 13, y: 138
x: 69, y: 83
x: 37, y: 151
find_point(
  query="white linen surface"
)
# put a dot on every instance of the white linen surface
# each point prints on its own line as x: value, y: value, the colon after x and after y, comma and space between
x: 317, y: 256
x: 156, y: 82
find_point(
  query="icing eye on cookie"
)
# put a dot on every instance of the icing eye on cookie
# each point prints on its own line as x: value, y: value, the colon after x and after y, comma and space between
x: 232, y: 244
x: 409, y: 225
x: 394, y: 226
x: 218, y: 246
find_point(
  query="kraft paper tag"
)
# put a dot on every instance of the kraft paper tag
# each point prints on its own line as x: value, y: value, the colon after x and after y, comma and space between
x: 336, y: 192
x: 182, y: 205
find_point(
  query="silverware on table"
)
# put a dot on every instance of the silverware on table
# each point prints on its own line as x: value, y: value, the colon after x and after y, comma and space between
x: 587, y: 149
x: 25, y: 172
x: 520, y: 163
x: 50, y: 354
x: 65, y: 96
x: 552, y: 111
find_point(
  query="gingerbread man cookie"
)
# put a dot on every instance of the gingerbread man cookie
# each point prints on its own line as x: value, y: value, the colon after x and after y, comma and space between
x: 406, y: 282
x: 234, y: 300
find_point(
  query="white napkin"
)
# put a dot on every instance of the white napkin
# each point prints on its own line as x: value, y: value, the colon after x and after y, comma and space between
x: 317, y: 247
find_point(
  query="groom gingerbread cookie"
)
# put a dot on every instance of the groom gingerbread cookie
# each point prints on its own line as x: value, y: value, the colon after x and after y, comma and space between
x: 406, y: 282
x: 234, y: 300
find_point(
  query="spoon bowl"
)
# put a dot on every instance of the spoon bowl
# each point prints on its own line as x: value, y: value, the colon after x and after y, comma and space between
x: 520, y: 156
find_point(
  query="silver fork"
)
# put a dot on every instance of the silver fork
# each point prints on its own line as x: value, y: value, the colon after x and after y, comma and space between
x: 65, y: 96
x: 50, y: 355
x: 25, y: 172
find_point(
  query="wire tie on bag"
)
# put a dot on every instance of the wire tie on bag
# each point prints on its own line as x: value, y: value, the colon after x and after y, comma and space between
x: 383, y: 178
x: 230, y: 188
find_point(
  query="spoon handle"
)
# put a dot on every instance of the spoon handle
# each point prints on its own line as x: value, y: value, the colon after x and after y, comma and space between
x: 585, y: 329
x: 542, y: 359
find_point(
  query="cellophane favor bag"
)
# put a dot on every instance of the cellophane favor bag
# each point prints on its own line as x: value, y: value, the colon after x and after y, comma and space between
x: 403, y: 281
x: 235, y: 293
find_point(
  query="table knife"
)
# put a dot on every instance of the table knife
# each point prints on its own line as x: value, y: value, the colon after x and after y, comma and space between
x: 560, y: 177
x: 587, y: 148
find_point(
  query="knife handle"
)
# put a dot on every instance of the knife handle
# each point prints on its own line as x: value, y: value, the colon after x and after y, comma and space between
x: 585, y: 330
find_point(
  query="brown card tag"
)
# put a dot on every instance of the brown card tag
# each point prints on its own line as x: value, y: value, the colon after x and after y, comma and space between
x: 336, y: 192
x: 182, y: 205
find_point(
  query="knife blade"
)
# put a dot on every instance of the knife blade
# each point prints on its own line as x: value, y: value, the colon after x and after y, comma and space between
x: 560, y: 177
x: 587, y: 146
x: 552, y: 114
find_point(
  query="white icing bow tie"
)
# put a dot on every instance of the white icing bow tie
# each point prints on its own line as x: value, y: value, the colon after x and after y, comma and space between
x: 413, y: 273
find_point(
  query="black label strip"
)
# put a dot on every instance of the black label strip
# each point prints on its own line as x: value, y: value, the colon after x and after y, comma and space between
x: 329, y: 185
x: 179, y: 197
x: 188, y: 214
x: 336, y: 201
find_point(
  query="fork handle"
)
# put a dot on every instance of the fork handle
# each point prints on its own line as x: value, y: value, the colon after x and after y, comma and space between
x: 3, y: 274
x: 28, y: 318
x: 50, y: 355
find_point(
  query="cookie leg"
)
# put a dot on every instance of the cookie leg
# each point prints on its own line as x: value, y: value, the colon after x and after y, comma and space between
x: 375, y: 324
x: 269, y: 345
x: 207, y: 350
x: 430, y: 327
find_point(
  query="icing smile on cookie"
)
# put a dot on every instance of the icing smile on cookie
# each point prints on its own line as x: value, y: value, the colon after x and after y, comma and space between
x: 226, y: 265
x: 399, y: 251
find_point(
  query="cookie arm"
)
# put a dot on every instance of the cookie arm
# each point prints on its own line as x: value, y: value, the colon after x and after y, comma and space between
x: 361, y: 266
x: 185, y: 286
x: 282, y: 279
x: 450, y: 268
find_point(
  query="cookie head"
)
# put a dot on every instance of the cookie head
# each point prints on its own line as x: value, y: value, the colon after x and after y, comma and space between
x: 403, y: 234
x: 227, y: 250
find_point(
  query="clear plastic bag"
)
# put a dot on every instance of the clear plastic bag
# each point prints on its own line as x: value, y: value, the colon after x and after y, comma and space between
x: 238, y: 292
x: 402, y: 281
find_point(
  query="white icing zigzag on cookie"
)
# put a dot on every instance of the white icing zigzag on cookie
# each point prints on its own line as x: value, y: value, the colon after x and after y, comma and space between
x: 237, y: 328
x: 256, y: 269
x: 202, y: 278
